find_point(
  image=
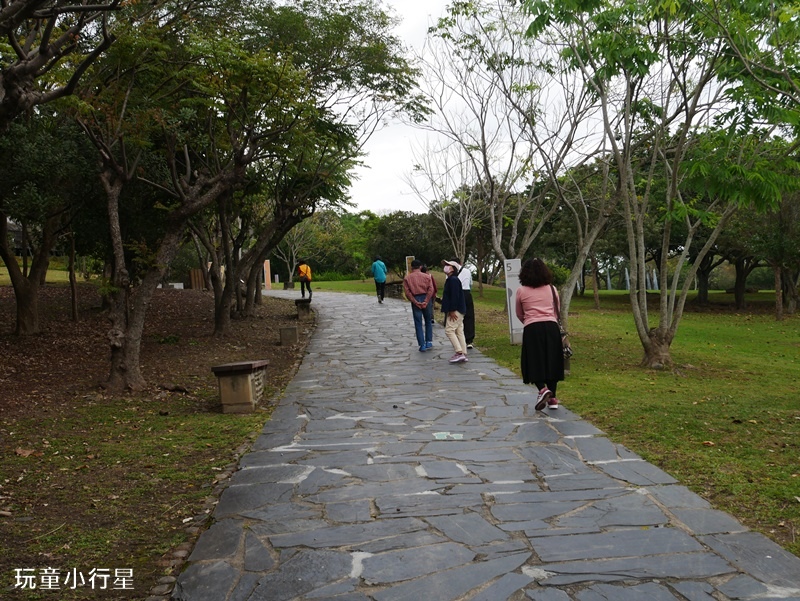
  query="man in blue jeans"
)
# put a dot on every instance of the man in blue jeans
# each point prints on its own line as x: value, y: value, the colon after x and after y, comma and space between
x: 418, y: 287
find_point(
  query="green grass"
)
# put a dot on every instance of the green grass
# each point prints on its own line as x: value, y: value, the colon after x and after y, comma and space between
x: 54, y: 276
x: 725, y: 421
x: 150, y: 454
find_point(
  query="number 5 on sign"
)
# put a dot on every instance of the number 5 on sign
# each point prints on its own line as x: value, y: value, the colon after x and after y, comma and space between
x: 515, y: 327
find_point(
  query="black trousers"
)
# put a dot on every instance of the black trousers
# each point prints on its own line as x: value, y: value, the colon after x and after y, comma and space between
x: 469, y: 318
x: 380, y: 289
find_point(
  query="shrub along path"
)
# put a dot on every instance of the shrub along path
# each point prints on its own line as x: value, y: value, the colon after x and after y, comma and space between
x: 388, y: 474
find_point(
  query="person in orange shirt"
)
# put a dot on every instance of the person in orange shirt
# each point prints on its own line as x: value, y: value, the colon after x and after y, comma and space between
x: 304, y: 275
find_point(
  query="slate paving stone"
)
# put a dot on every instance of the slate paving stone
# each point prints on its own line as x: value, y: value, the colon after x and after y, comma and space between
x: 587, y: 480
x: 571, y: 429
x: 263, y: 525
x: 354, y: 511
x: 627, y: 510
x: 242, y: 497
x: 407, y: 564
x: 322, y: 478
x: 468, y: 528
x: 411, y: 540
x: 676, y: 496
x: 503, y: 588
x: 685, y: 566
x: 510, y: 472
x: 280, y: 512
x: 452, y: 584
x: 596, y: 449
x: 605, y: 592
x: 538, y: 432
x: 505, y: 412
x: 257, y: 557
x: 275, y: 473
x: 695, y: 591
x: 346, y: 535
x: 384, y: 472
x: 271, y: 456
x: 636, y: 472
x: 339, y: 590
x: 440, y: 482
x: 443, y: 469
x: 502, y: 548
x: 270, y: 440
x: 548, y: 594
x: 554, y: 460
x: 371, y: 490
x: 747, y: 587
x: 220, y: 541
x: 759, y: 556
x: 616, y: 543
x: 301, y: 574
x: 205, y: 581
x: 708, y: 521
x: 566, y: 495
x: 426, y: 504
x: 244, y: 588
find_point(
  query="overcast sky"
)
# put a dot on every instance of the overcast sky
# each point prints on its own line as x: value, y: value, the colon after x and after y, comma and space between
x: 380, y: 187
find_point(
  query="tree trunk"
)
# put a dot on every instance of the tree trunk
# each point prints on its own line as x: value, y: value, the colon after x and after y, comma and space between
x: 128, y: 314
x: 73, y: 285
x: 702, y: 288
x: 656, y: 350
x: 26, y: 282
x: 222, y: 309
x: 596, y: 281
x: 27, y: 297
x: 790, y: 291
x: 253, y: 289
x: 744, y: 267
x: 778, y: 293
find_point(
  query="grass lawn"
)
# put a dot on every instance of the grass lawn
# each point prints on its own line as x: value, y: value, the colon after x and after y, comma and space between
x: 725, y: 421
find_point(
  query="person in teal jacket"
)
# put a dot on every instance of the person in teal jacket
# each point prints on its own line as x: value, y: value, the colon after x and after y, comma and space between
x: 379, y: 272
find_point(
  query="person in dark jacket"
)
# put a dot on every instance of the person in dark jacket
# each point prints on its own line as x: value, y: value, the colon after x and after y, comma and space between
x: 454, y: 307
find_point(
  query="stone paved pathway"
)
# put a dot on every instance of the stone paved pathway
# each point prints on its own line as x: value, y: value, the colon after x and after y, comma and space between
x: 387, y: 474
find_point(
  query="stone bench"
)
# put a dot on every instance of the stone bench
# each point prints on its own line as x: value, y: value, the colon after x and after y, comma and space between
x: 241, y: 385
x: 303, y: 308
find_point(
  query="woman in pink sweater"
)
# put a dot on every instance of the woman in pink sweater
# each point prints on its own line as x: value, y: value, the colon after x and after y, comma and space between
x: 542, y: 359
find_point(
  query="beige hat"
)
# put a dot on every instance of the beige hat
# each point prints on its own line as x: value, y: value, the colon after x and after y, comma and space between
x: 452, y: 264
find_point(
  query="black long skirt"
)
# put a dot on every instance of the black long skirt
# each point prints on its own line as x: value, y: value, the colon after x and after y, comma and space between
x: 542, y: 358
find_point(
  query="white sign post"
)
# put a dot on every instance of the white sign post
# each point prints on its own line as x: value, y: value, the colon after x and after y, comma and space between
x: 515, y: 327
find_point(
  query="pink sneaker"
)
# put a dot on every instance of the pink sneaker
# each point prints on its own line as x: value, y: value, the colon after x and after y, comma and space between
x: 552, y: 403
x: 544, y: 396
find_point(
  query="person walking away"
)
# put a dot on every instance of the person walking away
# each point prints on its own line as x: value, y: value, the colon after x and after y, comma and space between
x: 304, y: 275
x: 465, y: 277
x: 418, y: 287
x: 379, y: 272
x: 454, y: 308
x: 542, y: 357
x: 432, y: 304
